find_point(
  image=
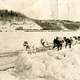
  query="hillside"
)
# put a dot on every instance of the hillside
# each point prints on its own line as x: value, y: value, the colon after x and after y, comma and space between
x: 15, y: 21
x: 11, y: 21
x: 58, y: 24
x: 11, y: 15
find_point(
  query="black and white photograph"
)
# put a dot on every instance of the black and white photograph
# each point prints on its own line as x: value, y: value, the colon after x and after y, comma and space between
x: 39, y: 40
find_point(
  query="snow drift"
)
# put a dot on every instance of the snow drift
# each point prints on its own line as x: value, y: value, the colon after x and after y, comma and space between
x: 50, y: 65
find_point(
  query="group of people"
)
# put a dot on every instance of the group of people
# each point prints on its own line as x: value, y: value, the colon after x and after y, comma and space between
x: 57, y: 42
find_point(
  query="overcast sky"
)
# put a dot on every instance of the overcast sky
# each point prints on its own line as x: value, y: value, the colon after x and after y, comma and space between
x: 45, y: 9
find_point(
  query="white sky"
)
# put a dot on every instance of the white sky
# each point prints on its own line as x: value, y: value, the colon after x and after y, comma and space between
x: 45, y: 9
x: 69, y: 9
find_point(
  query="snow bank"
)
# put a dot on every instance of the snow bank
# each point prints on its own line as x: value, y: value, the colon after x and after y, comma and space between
x: 50, y: 65
x: 46, y: 65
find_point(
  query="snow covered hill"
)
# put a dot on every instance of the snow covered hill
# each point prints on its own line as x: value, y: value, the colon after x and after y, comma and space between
x: 58, y: 24
x: 15, y: 21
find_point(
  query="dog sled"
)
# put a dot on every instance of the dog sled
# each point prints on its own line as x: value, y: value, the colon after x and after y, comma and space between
x: 40, y: 49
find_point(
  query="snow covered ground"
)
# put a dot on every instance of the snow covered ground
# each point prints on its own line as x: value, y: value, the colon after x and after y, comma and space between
x: 46, y: 65
x: 14, y: 41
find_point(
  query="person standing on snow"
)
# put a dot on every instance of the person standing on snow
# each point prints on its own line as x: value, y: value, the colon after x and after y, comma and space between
x: 26, y: 45
x: 68, y: 42
x: 57, y: 43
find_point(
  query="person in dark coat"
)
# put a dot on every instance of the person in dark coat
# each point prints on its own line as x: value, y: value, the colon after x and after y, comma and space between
x: 57, y: 43
x: 43, y: 42
x: 26, y: 45
x: 68, y: 42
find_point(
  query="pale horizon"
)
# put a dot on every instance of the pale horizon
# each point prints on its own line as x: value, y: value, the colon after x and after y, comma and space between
x: 45, y: 9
